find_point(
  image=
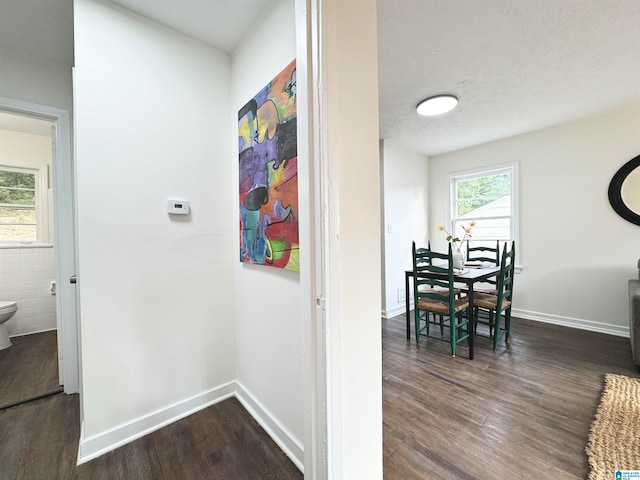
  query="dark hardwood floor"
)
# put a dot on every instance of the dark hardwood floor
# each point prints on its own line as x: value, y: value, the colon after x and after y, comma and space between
x: 29, y: 369
x: 39, y: 441
x: 523, y: 411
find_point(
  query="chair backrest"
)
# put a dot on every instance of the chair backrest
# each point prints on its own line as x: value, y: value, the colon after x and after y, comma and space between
x: 506, y: 275
x: 423, y: 263
x: 481, y: 253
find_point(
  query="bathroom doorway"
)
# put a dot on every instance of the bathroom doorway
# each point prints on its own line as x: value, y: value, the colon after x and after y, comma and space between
x: 37, y: 251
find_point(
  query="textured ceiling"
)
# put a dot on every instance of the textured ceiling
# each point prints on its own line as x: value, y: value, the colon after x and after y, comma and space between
x: 516, y: 66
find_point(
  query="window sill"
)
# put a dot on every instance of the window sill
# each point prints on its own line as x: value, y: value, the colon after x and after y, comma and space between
x: 25, y: 245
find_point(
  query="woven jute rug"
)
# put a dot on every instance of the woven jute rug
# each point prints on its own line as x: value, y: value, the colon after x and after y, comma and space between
x: 614, y: 440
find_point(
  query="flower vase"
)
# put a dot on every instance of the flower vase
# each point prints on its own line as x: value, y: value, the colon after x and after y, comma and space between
x: 459, y: 258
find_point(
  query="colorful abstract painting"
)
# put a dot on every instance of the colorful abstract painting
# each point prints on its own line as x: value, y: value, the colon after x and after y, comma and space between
x: 268, y: 162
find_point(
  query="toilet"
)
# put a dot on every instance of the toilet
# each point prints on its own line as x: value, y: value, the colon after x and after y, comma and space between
x: 7, y: 309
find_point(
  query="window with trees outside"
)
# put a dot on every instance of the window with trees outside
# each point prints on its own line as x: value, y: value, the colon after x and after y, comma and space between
x: 488, y: 198
x: 23, y: 193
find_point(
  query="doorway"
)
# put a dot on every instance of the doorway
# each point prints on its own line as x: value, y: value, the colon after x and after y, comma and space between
x: 54, y: 242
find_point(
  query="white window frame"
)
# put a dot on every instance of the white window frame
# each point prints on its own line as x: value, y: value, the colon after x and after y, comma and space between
x: 41, y: 207
x: 512, y: 169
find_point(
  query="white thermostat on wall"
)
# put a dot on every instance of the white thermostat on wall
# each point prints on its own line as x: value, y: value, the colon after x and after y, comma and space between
x: 178, y: 207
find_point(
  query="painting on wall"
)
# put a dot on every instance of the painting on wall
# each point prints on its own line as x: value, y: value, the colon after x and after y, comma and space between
x: 268, y: 175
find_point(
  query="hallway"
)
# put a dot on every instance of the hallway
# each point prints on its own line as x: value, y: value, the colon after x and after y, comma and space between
x: 39, y: 441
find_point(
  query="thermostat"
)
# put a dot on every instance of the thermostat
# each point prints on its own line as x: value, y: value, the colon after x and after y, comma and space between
x: 178, y: 207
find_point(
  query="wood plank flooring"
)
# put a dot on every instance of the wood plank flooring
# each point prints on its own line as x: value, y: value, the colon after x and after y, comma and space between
x: 39, y: 441
x: 29, y: 369
x: 523, y: 411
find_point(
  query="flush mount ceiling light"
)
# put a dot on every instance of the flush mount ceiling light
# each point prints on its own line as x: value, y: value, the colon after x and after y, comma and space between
x: 437, y: 105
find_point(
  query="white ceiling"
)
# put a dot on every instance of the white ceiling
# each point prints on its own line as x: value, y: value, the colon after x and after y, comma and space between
x: 220, y: 23
x: 516, y: 65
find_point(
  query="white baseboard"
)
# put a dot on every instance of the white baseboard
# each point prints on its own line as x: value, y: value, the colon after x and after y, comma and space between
x: 395, y: 311
x: 93, y: 447
x: 97, y: 445
x: 24, y: 331
x: 283, y: 438
x: 578, y: 323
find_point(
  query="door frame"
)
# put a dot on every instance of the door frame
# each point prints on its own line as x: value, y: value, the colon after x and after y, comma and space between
x: 64, y: 240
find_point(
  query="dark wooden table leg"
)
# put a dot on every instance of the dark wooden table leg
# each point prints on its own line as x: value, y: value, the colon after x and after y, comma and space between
x: 406, y: 303
x: 471, y: 322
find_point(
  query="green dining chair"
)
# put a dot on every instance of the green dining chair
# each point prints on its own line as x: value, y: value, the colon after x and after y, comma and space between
x: 482, y: 253
x: 498, y: 305
x: 434, y: 293
x: 489, y: 255
x: 437, y: 317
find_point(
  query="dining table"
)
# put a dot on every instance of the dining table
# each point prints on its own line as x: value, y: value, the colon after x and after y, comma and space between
x: 469, y: 275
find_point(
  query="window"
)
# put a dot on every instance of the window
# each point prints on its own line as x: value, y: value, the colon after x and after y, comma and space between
x: 488, y: 198
x: 23, y: 205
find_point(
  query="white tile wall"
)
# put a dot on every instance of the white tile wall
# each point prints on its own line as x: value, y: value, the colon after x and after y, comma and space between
x: 25, y: 276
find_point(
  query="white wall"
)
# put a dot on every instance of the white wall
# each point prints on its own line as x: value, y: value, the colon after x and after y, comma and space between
x: 157, y: 315
x: 268, y: 311
x: 405, y: 204
x: 25, y: 149
x: 35, y: 80
x: 350, y: 222
x: 577, y: 253
x: 25, y: 277
x: 26, y: 273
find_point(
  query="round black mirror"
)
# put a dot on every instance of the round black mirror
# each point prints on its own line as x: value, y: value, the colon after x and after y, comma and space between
x: 624, y: 191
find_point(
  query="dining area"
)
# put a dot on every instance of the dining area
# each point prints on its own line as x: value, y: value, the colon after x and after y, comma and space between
x: 460, y: 294
x: 522, y: 411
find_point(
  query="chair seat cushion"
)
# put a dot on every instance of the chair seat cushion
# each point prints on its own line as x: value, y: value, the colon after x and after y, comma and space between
x: 481, y: 290
x: 485, y: 291
x: 487, y: 300
x: 427, y: 288
x: 442, y: 307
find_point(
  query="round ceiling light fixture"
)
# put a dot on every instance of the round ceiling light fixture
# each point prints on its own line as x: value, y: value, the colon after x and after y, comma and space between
x: 437, y: 105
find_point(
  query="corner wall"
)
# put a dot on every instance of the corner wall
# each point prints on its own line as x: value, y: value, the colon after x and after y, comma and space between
x: 269, y: 330
x: 576, y: 252
x: 405, y: 205
x: 157, y: 316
